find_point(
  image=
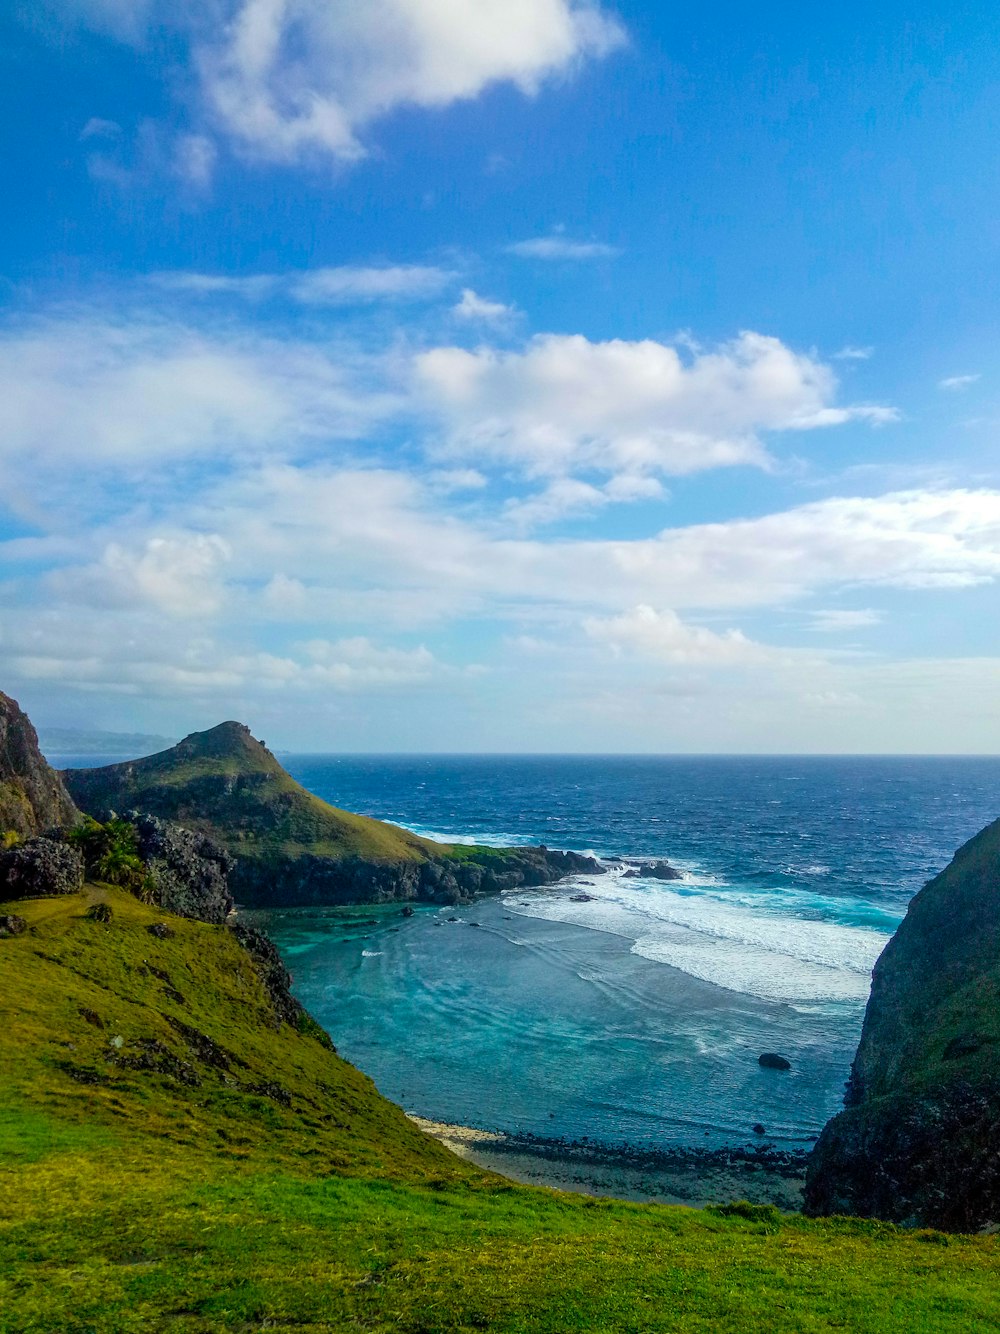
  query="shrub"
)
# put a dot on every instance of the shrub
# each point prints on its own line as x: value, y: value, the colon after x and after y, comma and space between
x: 111, y: 854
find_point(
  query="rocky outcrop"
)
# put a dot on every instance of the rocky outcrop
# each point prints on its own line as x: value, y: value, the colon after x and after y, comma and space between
x: 40, y: 868
x: 310, y: 880
x: 916, y: 1142
x: 277, y: 982
x: 190, y: 872
x: 288, y: 847
x: 32, y: 796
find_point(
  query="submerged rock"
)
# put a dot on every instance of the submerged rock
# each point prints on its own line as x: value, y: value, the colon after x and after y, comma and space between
x: 770, y: 1060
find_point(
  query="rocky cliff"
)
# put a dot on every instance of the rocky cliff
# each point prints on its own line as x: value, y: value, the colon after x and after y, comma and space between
x: 918, y: 1139
x: 32, y: 796
x: 288, y: 847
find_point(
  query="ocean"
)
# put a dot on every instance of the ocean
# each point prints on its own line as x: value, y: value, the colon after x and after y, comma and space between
x: 638, y: 1016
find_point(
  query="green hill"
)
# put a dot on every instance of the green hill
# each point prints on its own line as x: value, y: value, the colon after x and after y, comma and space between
x: 917, y: 1139
x: 173, y: 1157
x: 226, y: 784
x: 289, y: 846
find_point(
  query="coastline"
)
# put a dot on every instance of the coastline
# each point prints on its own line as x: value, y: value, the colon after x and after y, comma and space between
x: 693, y: 1177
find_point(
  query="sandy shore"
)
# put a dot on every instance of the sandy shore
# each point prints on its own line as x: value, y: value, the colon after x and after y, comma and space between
x: 758, y: 1173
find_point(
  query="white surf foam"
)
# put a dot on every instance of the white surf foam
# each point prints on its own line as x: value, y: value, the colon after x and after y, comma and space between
x: 731, y: 941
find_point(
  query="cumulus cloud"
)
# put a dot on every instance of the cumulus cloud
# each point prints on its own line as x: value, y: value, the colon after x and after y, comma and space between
x: 472, y: 306
x: 664, y: 636
x: 289, y: 76
x: 561, y: 247
x: 565, y: 403
x: 178, y: 575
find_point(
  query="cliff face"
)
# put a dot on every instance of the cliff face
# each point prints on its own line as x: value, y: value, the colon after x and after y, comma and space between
x: 32, y: 796
x: 917, y: 1141
x: 288, y: 847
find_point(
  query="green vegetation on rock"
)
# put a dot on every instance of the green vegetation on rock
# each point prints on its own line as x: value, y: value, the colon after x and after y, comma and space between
x: 917, y: 1140
x: 174, y: 1158
x: 290, y: 847
x: 226, y: 784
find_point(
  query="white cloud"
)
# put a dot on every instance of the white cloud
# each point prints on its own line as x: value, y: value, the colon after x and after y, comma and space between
x: 349, y: 663
x: 958, y: 381
x: 561, y: 247
x: 286, y: 78
x: 98, y: 128
x: 194, y: 159
x: 343, y: 285
x: 472, y: 306
x: 662, y: 635
x: 178, y: 575
x: 349, y: 284
x: 837, y: 620
x: 853, y: 353
x: 566, y: 496
x: 565, y: 403
x: 140, y: 389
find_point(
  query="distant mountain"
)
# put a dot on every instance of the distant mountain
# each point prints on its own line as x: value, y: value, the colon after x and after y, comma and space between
x: 32, y: 795
x: 917, y: 1141
x: 80, y: 742
x: 289, y: 846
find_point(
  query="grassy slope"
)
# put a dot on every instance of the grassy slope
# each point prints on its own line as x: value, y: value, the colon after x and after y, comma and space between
x: 226, y: 784
x: 939, y: 980
x: 142, y: 1202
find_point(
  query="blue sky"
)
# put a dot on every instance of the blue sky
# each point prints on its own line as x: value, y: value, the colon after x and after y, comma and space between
x: 535, y: 375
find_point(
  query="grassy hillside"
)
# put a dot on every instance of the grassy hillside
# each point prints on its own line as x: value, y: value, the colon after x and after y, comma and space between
x: 224, y: 783
x: 917, y: 1139
x: 171, y: 1159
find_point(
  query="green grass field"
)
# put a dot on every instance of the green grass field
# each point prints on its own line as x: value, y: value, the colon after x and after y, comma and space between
x: 171, y: 1160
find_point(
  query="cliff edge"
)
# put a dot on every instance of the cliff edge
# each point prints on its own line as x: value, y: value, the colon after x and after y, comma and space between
x: 32, y: 796
x: 917, y: 1140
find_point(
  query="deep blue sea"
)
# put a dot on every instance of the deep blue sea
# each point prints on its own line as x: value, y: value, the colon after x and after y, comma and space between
x: 637, y: 1016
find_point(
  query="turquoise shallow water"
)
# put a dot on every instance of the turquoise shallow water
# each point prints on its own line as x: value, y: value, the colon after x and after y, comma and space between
x: 637, y: 1016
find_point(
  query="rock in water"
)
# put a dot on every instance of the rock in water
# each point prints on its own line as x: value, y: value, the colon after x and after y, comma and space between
x: 770, y: 1060
x: 917, y: 1140
x: 32, y: 796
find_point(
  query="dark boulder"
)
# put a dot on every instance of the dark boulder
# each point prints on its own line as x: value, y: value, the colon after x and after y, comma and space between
x: 161, y: 931
x: 40, y: 868
x: 190, y: 871
x: 770, y: 1060
x: 12, y: 925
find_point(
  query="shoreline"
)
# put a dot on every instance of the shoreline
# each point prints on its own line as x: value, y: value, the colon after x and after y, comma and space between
x: 687, y: 1176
